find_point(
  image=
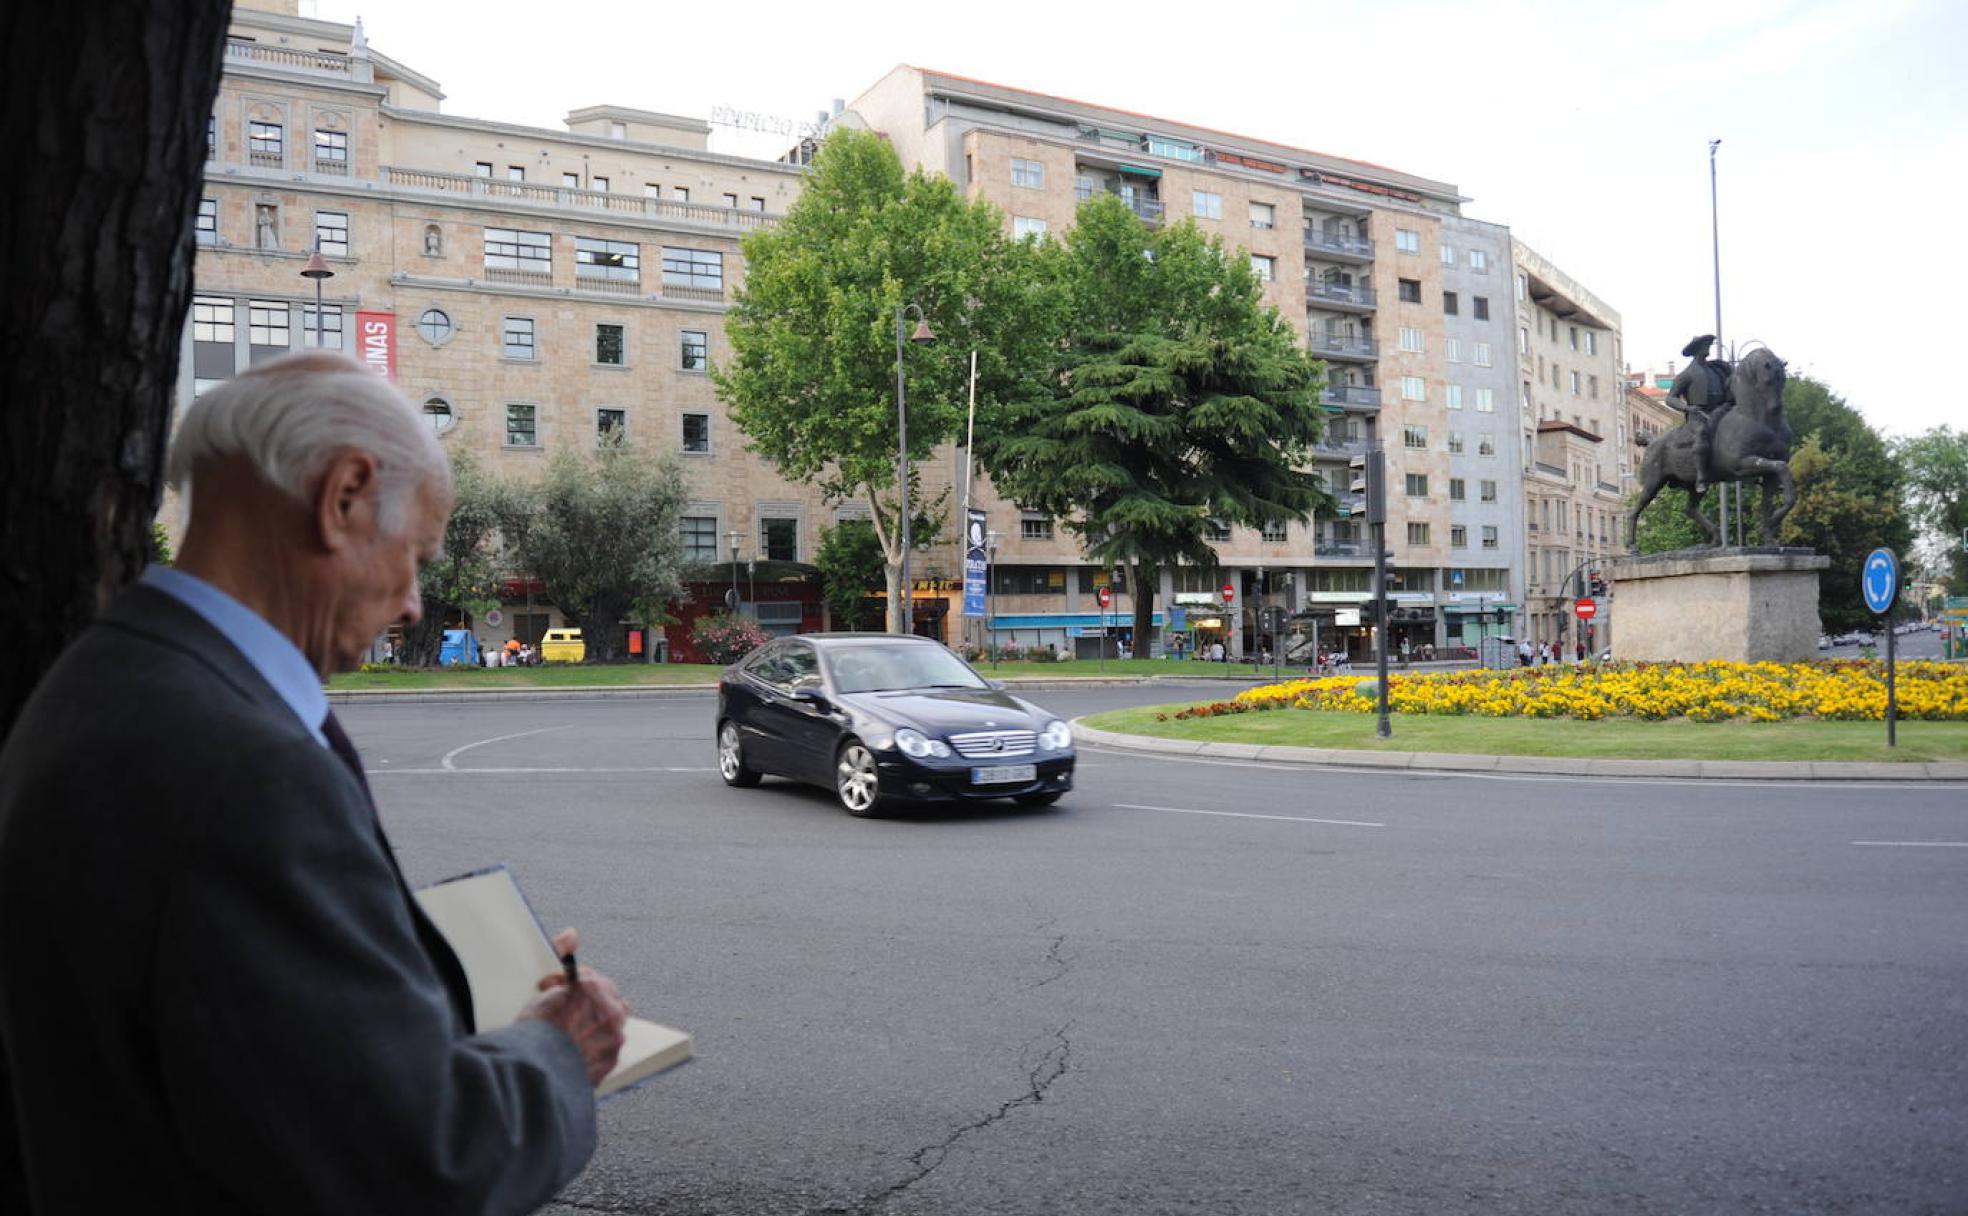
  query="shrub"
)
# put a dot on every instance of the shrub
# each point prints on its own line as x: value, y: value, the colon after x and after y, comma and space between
x: 724, y: 638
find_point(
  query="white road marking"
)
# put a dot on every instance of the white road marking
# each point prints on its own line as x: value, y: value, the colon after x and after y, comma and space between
x: 1186, y: 810
x: 1913, y: 844
x: 454, y: 753
x: 473, y: 772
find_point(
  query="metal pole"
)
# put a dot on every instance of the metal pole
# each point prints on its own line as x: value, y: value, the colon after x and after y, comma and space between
x: 906, y: 620
x: 1722, y: 494
x: 317, y: 314
x: 1892, y: 691
x: 1381, y: 727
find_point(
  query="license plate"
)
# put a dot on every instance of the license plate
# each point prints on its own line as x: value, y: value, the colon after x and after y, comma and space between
x: 1004, y: 774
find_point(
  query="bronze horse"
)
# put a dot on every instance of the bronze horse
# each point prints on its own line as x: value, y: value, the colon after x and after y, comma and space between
x: 1751, y: 443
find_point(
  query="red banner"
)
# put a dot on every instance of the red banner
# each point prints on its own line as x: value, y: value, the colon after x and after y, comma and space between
x: 376, y: 342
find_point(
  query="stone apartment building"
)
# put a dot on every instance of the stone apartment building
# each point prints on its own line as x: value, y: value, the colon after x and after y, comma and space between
x: 528, y: 288
x: 1573, y: 401
x: 1406, y: 300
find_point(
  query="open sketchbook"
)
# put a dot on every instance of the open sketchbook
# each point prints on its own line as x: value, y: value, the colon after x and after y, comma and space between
x: 505, y: 951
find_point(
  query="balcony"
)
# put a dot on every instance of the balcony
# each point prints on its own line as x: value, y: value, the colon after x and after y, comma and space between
x: 586, y: 200
x: 1343, y: 346
x: 241, y: 50
x: 1149, y: 209
x: 1343, y: 246
x: 1359, y: 396
x: 702, y: 295
x: 1341, y: 445
x: 595, y: 278
x: 1347, y: 297
x: 1342, y: 548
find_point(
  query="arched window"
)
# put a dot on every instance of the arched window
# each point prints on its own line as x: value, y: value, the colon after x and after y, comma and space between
x: 437, y: 412
x: 435, y: 327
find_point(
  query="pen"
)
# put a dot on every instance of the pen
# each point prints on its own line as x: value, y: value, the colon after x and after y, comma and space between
x: 573, y: 972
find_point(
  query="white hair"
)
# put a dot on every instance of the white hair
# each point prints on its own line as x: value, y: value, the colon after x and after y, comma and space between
x: 290, y: 417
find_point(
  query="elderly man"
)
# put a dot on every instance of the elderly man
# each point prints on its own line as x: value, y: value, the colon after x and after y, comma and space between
x: 216, y: 992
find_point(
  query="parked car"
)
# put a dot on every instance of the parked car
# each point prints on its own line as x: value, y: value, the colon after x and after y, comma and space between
x: 1824, y: 641
x: 883, y: 719
x: 563, y: 646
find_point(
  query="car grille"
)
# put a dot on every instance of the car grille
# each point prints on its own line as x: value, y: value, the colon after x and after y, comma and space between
x: 992, y: 744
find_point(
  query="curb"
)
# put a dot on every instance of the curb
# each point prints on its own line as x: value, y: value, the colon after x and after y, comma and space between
x: 417, y: 696
x: 1570, y: 766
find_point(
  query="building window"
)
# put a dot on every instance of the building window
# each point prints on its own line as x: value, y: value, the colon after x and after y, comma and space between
x: 434, y: 326
x: 1523, y: 341
x: 1487, y: 489
x: 519, y: 426
x: 1457, y: 489
x: 515, y: 173
x: 213, y: 326
x: 680, y: 194
x: 1417, y: 485
x: 702, y: 268
x: 513, y: 249
x: 1591, y: 343
x: 1035, y: 527
x: 1522, y: 287
x: 268, y: 325
x: 1411, y: 339
x: 1275, y: 532
x: 1458, y: 535
x: 1414, y: 437
x: 1414, y: 388
x: 611, y: 424
x: 1489, y: 536
x: 1174, y: 150
x: 1455, y: 443
x: 697, y: 433
x: 482, y: 168
x: 208, y: 221
x: 696, y: 350
x: 617, y: 261
x: 331, y: 233
x: 1452, y: 396
x: 211, y: 138
x: 1486, y: 445
x: 652, y: 190
x: 779, y: 539
x: 437, y: 412
x: 610, y: 344
x: 1479, y: 261
x: 517, y: 338
x: 571, y: 181
x: 731, y: 201
x: 1407, y: 240
x: 329, y: 328
x: 1409, y: 290
x: 1452, y: 349
x: 618, y: 130
x: 1263, y: 215
x: 1023, y: 226
x: 1448, y: 255
x: 1206, y: 204
x: 1264, y: 266
x: 1573, y: 334
x: 758, y: 204
x: 1448, y: 303
x: 1028, y: 173
x: 1575, y: 384
x: 266, y: 141
x: 700, y: 538
x: 1215, y: 530
x: 1417, y: 533
x: 1481, y: 351
x: 1480, y: 305
x: 1592, y: 387
x: 331, y: 151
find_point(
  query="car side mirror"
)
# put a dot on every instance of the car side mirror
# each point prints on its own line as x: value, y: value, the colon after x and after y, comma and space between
x: 812, y: 696
x: 997, y: 684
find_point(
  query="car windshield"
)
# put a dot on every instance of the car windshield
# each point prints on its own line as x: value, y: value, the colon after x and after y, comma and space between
x: 887, y: 667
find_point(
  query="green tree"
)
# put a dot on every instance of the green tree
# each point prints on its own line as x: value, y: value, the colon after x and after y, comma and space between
x: 1849, y: 503
x: 603, y: 532
x: 851, y: 564
x: 811, y: 382
x: 1176, y: 398
x: 1936, y: 469
x: 465, y: 575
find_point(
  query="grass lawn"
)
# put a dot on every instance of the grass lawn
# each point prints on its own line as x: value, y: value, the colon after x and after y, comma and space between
x: 1609, y: 738
x: 576, y: 675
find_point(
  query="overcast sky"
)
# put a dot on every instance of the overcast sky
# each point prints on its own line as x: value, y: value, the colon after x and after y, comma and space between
x: 1582, y: 125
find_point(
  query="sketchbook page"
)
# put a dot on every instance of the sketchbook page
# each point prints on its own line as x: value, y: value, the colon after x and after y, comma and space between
x: 497, y: 939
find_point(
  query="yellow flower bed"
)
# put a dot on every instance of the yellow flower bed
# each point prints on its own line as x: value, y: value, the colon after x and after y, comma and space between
x: 1839, y: 689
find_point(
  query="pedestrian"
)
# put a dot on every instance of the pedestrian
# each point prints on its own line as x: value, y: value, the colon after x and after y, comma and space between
x: 207, y: 951
x: 1216, y: 652
x: 1581, y: 651
x: 1524, y: 653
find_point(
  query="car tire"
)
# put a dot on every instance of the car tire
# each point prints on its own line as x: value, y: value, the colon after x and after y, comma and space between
x: 1046, y: 798
x: 856, y: 782
x: 731, y: 758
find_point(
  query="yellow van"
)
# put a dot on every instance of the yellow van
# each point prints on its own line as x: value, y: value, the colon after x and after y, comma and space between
x: 563, y: 646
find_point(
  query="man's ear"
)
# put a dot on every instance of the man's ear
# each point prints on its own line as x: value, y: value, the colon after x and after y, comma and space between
x: 345, y: 502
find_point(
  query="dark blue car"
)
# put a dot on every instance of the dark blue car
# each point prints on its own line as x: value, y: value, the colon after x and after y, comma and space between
x: 880, y: 719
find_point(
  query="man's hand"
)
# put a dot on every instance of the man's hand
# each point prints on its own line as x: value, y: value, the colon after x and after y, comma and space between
x: 591, y: 1012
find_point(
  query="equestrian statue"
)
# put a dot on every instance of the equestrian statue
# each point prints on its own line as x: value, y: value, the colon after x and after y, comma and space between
x: 1735, y: 432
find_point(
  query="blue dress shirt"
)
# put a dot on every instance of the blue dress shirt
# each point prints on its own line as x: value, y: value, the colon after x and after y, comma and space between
x: 279, y: 662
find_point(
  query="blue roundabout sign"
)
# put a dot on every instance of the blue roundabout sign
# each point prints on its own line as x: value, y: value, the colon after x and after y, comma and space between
x: 1880, y: 580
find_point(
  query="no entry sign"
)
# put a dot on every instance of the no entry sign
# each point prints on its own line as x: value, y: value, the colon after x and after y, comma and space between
x: 1106, y: 596
x: 1587, y: 608
x: 1229, y: 593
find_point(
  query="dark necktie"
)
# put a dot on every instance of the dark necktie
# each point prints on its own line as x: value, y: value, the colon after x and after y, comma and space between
x: 338, y: 742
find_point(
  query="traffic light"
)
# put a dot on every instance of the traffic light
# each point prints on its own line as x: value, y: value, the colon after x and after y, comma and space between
x: 1366, y: 482
x: 1598, y: 585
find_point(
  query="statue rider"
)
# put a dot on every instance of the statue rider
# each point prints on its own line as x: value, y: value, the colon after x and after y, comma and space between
x: 1701, y: 392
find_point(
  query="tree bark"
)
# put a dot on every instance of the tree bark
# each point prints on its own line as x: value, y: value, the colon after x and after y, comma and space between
x: 1143, y: 579
x: 104, y: 126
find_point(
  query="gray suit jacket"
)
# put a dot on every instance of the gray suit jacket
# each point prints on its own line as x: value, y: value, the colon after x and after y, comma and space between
x: 216, y: 994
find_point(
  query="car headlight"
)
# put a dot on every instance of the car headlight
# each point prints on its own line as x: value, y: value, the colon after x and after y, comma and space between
x: 914, y: 743
x: 1056, y: 737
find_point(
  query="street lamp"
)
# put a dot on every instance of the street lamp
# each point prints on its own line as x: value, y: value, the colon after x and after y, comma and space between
x: 317, y: 269
x: 922, y: 334
x: 732, y: 536
x: 991, y: 542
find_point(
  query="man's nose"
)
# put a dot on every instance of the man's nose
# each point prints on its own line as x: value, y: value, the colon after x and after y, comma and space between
x: 413, y: 607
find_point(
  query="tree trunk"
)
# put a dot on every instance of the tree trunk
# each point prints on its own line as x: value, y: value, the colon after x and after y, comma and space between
x: 104, y: 125
x: 1143, y: 580
x: 423, y: 640
x: 892, y: 575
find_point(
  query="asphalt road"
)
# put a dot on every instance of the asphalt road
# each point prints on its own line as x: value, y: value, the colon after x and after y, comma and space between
x: 1230, y: 987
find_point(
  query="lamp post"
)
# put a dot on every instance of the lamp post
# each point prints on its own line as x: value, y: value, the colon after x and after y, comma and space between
x: 922, y: 334
x: 317, y: 269
x: 732, y: 536
x: 991, y: 540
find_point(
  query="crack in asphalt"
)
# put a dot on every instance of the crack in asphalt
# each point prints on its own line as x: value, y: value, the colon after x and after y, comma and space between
x: 1050, y: 1066
x: 1053, y: 956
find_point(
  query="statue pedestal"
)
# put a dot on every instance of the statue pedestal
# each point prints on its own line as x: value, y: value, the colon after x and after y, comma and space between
x: 1749, y: 605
